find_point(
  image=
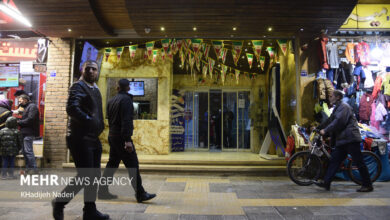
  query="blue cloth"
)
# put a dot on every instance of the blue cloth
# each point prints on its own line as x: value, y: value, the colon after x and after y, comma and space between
x: 8, y: 166
x: 385, y: 174
x: 329, y: 74
x: 358, y: 71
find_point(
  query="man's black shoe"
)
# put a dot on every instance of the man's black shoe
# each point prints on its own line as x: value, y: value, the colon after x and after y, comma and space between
x: 106, y: 195
x: 145, y: 197
x: 94, y: 215
x: 58, y: 210
x: 322, y: 184
x: 365, y: 189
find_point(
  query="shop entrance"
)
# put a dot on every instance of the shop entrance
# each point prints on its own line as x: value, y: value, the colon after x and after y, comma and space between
x: 217, y: 120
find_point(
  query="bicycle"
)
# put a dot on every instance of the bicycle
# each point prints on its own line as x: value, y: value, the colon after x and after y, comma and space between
x: 305, y: 167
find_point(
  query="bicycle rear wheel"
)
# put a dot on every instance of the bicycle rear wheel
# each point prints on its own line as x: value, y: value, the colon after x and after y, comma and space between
x: 303, y: 168
x: 373, y: 164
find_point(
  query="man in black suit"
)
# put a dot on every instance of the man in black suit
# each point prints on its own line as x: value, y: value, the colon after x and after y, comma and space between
x: 86, y: 123
x: 120, y: 120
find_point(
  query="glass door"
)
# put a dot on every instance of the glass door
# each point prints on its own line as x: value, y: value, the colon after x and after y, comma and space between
x: 229, y: 120
x: 215, y: 122
x: 244, y: 124
x: 201, y: 137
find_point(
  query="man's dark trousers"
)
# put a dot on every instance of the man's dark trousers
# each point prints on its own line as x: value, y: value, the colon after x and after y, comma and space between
x: 86, y: 153
x: 338, y: 156
x: 118, y: 154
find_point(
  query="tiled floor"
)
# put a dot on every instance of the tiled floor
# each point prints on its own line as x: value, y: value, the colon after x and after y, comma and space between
x: 210, y: 197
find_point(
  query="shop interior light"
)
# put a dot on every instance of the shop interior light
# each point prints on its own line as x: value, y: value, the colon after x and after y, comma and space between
x: 69, y: 30
x: 14, y: 14
x: 269, y: 28
x: 376, y: 52
x: 162, y: 28
x: 234, y: 28
x: 194, y: 29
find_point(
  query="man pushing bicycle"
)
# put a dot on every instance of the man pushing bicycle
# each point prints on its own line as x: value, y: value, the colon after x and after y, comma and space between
x: 342, y: 127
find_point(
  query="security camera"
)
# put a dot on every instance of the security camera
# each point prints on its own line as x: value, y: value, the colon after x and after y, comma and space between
x: 147, y: 30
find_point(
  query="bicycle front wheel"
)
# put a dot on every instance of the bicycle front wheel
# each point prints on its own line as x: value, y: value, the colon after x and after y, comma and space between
x: 304, y: 167
x: 373, y: 164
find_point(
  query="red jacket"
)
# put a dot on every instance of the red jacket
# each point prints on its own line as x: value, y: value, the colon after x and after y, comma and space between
x: 365, y: 107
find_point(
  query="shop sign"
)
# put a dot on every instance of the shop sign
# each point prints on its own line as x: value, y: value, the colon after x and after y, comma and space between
x: 16, y: 51
x: 368, y: 16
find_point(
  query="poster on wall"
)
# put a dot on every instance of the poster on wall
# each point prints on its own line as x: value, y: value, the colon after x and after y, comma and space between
x: 177, y: 121
x: 9, y: 76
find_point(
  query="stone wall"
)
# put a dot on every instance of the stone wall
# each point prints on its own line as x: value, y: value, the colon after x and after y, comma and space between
x: 59, y: 61
x: 150, y: 136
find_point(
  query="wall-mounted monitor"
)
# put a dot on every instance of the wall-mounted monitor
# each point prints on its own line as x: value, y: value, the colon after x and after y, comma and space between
x: 89, y: 53
x: 137, y: 88
x: 9, y: 76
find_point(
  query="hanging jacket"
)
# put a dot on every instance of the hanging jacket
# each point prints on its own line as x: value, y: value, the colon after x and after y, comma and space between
x: 362, y: 53
x: 386, y: 84
x: 332, y: 55
x: 369, y: 82
x: 322, y: 52
x: 377, y: 86
x: 349, y: 53
x: 365, y: 106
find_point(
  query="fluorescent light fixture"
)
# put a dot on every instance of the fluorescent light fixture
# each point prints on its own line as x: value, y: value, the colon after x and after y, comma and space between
x: 376, y: 52
x: 15, y: 14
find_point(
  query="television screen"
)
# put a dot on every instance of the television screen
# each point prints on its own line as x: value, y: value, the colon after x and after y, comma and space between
x: 137, y: 88
x: 89, y: 53
x: 9, y: 76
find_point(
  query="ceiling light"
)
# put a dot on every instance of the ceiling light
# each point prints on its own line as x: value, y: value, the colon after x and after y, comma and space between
x: 301, y: 29
x: 69, y: 30
x: 234, y: 28
x: 130, y: 42
x: 269, y: 28
x: 14, y: 14
x: 107, y: 42
x: 231, y: 35
x: 264, y: 36
x: 194, y: 28
x: 162, y: 28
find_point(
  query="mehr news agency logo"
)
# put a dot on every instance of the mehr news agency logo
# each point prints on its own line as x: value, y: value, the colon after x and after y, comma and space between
x: 56, y: 180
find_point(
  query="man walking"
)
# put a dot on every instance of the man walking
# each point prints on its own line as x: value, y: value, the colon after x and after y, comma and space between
x: 29, y: 127
x: 120, y: 119
x: 84, y: 107
x: 343, y: 129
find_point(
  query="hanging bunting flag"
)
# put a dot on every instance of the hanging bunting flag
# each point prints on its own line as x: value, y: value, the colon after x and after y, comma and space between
x: 237, y: 74
x: 165, y: 44
x: 271, y: 52
x: 179, y: 43
x: 223, y: 54
x: 182, y: 59
x: 250, y: 59
x: 191, y: 59
x: 206, y: 50
x: 237, y: 48
x: 119, y: 51
x: 262, y: 62
x: 133, y: 50
x: 149, y: 48
x: 107, y: 53
x: 223, y: 73
x: 257, y: 46
x: 283, y: 46
x: 197, y: 60
x: 217, y: 44
x: 145, y: 55
x: 204, y: 70
x: 173, y: 47
x: 155, y: 53
x: 170, y: 53
x: 211, y: 67
x: 196, y: 45
x: 163, y: 54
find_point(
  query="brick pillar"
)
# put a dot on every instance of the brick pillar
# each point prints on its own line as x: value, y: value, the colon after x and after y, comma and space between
x: 59, y: 60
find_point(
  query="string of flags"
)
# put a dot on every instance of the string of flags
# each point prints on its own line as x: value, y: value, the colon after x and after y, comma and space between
x: 198, y: 57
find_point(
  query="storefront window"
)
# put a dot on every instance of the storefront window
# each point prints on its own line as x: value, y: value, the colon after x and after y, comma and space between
x: 144, y: 91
